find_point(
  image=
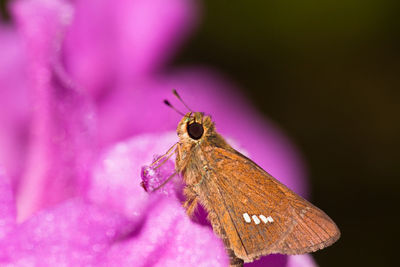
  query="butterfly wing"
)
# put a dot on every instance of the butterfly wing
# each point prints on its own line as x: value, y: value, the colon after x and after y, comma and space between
x: 257, y: 213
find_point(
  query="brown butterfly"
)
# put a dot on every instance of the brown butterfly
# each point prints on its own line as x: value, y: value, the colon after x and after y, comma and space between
x: 250, y: 210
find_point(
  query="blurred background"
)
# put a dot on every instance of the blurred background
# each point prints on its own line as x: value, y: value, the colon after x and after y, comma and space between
x: 328, y: 73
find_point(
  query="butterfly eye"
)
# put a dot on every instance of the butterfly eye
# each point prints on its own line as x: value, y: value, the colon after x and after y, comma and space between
x: 195, y: 130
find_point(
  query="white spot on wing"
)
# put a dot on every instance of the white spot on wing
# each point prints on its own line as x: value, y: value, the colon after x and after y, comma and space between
x: 255, y: 219
x: 263, y: 218
x: 269, y: 218
x: 247, y: 217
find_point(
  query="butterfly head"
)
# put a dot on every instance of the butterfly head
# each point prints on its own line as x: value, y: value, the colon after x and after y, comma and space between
x: 194, y: 126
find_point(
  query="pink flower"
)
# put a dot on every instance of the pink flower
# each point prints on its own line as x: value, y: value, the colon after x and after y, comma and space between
x: 80, y: 114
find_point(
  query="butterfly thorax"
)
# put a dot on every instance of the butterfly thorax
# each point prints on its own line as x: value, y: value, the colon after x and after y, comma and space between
x: 197, y: 136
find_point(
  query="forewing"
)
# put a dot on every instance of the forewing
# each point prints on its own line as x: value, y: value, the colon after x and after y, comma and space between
x: 258, y: 214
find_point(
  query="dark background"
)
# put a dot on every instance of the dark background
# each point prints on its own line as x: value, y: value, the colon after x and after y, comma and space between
x: 328, y: 72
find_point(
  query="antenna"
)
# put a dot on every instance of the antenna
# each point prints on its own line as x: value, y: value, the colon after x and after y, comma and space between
x: 180, y: 99
x: 166, y: 102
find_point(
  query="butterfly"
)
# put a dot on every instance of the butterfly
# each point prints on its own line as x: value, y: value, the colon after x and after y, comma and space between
x: 250, y: 210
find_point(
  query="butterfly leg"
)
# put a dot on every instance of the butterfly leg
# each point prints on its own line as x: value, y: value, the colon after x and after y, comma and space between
x: 233, y: 260
x: 191, y: 200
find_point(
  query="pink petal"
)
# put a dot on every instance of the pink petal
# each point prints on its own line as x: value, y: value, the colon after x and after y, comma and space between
x: 169, y: 238
x: 61, y: 126
x: 74, y: 233
x: 14, y: 104
x: 278, y: 260
x: 7, y: 206
x: 113, y: 41
x: 116, y: 176
x: 305, y: 260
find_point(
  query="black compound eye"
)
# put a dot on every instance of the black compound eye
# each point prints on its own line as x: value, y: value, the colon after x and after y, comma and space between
x: 195, y: 130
